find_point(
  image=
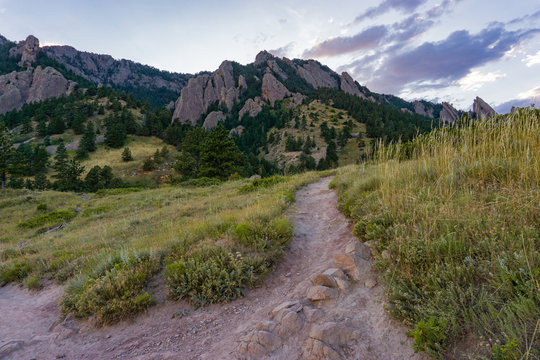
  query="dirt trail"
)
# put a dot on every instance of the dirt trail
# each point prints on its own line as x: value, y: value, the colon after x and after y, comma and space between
x: 29, y: 328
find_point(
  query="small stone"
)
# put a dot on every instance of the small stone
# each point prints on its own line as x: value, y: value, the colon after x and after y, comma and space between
x: 357, y: 248
x: 385, y: 255
x: 324, y: 280
x: 266, y: 325
x: 336, y: 273
x: 291, y: 305
x: 313, y: 314
x: 371, y: 282
x: 317, y: 293
x: 317, y: 350
x: 343, y: 284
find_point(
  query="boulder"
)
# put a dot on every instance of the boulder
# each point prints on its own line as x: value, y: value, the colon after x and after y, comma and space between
x: 336, y: 273
x: 290, y: 305
x: 319, y: 293
x: 357, y: 248
x: 335, y: 333
x: 324, y: 280
x: 272, y: 89
x: 213, y: 119
x: 354, y: 266
x: 318, y: 350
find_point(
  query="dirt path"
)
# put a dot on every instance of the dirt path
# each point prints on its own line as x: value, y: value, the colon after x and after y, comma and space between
x: 29, y: 328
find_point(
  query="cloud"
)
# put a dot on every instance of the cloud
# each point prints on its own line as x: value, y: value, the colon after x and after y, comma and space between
x: 3, y: 11
x: 367, y: 39
x: 532, y: 93
x: 532, y: 16
x: 531, y: 60
x: 282, y: 51
x: 388, y: 5
x: 474, y: 80
x: 450, y: 59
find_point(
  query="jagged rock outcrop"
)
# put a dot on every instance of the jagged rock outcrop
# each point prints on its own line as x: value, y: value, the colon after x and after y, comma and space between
x: 239, y: 130
x: 482, y: 109
x: 272, y: 89
x: 316, y: 76
x: 170, y: 106
x: 105, y: 70
x: 296, y: 99
x: 421, y: 109
x: 25, y: 87
x: 263, y: 57
x: 252, y: 107
x: 29, y: 51
x: 273, y: 65
x: 204, y: 90
x: 448, y: 113
x: 349, y: 86
x: 213, y: 119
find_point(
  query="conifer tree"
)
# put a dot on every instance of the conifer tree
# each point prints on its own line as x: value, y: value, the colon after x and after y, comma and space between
x: 220, y: 156
x: 5, y: 152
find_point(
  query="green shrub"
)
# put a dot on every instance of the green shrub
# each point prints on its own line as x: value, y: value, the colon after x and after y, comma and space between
x: 33, y: 283
x: 262, y: 234
x: 116, y: 294
x: 42, y: 207
x: 15, y: 272
x: 51, y: 219
x: 209, y: 276
x: 428, y: 335
x: 117, y: 191
x: 508, y: 351
x: 262, y: 183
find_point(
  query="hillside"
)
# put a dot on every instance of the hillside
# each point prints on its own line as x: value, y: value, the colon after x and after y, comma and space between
x: 452, y: 220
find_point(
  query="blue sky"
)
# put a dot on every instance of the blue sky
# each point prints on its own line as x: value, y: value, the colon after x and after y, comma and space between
x: 442, y: 50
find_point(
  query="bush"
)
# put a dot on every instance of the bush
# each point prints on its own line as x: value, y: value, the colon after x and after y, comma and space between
x: 51, y: 219
x: 14, y: 272
x: 209, y: 276
x: 126, y: 155
x: 33, y: 283
x: 428, y: 335
x: 262, y: 183
x: 42, y: 207
x: 114, y: 294
x: 149, y: 164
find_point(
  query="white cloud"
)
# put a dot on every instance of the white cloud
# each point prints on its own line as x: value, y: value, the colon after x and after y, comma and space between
x: 530, y: 94
x: 3, y: 11
x: 531, y: 60
x: 476, y: 79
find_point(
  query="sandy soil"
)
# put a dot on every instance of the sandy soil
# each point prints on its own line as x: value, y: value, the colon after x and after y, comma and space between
x: 30, y: 327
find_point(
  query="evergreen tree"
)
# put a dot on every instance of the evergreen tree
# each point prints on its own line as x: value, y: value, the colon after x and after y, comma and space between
x: 192, y: 144
x: 116, y: 134
x: 220, y: 156
x: 69, y: 177
x: 60, y: 159
x: 40, y: 160
x: 77, y: 124
x: 185, y: 164
x: 126, y: 155
x: 42, y: 128
x: 27, y: 126
x: 6, y: 143
x: 40, y: 181
x: 87, y: 143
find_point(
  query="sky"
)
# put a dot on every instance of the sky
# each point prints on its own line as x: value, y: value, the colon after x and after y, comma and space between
x: 437, y: 50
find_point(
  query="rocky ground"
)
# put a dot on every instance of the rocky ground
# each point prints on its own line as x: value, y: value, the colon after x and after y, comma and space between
x: 322, y: 302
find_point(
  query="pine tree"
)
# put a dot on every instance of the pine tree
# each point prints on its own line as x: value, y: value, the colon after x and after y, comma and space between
x: 87, y: 143
x: 126, y: 155
x: 116, y: 134
x: 60, y: 159
x: 220, y: 156
x: 69, y: 177
x: 6, y: 143
x: 192, y: 144
x: 40, y: 181
x: 40, y: 159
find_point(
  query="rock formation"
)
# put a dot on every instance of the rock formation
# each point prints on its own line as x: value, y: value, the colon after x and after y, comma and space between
x: 213, y: 119
x: 316, y: 76
x: 448, y: 113
x: 252, y: 107
x: 349, y: 86
x: 105, y: 70
x: 272, y: 89
x: 29, y: 51
x: 421, y: 109
x: 205, y: 90
x: 482, y: 109
x: 25, y: 87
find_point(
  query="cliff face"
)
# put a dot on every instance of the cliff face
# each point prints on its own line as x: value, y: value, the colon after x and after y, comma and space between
x: 105, y: 70
x: 482, y: 110
x: 270, y: 75
x: 25, y: 87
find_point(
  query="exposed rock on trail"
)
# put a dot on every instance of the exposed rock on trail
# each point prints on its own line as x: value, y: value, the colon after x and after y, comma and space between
x: 274, y: 321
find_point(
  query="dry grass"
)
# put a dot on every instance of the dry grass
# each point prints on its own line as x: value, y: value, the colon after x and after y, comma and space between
x: 453, y: 219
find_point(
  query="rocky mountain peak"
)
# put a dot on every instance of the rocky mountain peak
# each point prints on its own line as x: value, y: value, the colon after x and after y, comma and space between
x: 482, y: 109
x: 448, y: 113
x: 262, y: 57
x: 27, y: 50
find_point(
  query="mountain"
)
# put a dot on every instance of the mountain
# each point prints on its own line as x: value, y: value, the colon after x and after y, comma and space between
x: 145, y: 82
